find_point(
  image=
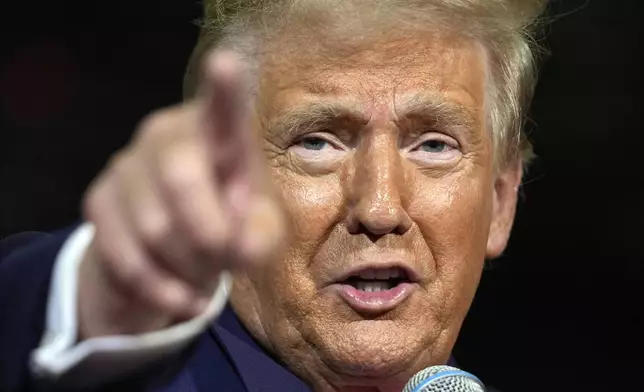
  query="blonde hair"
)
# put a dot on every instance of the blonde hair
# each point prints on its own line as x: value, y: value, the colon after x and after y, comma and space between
x: 505, y: 28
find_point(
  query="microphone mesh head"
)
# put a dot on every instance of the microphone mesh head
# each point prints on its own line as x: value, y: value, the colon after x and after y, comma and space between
x: 443, y: 379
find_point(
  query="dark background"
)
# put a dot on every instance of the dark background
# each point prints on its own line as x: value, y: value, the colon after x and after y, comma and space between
x: 561, y: 311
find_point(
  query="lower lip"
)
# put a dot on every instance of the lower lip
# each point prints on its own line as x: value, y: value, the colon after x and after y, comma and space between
x: 374, y: 302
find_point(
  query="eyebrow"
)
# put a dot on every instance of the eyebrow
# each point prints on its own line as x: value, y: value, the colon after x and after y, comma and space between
x: 430, y: 107
x: 315, y: 114
x: 442, y: 111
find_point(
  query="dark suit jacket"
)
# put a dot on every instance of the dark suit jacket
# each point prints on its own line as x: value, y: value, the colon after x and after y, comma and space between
x: 224, y: 358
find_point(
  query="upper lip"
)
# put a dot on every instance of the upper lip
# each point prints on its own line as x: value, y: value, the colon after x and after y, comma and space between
x: 384, y: 262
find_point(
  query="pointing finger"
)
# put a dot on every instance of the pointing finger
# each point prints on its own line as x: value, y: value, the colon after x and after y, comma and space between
x: 226, y: 118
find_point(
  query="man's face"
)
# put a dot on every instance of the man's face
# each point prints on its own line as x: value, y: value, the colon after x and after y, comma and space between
x: 384, y: 162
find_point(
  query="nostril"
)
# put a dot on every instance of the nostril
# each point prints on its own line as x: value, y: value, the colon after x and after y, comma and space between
x: 374, y: 234
x: 377, y: 220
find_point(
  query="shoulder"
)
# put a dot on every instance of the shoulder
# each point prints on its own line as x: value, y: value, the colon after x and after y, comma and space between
x: 26, y: 264
x: 26, y: 243
x: 23, y: 254
x: 17, y: 241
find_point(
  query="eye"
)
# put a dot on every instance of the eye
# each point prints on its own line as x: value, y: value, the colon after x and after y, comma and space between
x: 435, y: 146
x: 318, y: 148
x: 313, y: 143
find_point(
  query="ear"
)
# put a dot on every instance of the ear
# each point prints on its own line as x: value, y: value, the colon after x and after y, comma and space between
x: 506, y: 190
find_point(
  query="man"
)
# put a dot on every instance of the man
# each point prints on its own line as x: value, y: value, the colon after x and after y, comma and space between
x: 351, y: 164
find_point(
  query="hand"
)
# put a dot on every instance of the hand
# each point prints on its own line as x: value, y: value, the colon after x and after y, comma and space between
x: 185, y: 200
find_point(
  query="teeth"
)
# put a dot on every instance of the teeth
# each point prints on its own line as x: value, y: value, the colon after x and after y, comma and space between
x: 368, y: 274
x: 372, y: 280
x: 373, y: 286
x: 382, y: 274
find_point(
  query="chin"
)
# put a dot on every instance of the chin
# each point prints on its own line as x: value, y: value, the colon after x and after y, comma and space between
x: 373, y: 351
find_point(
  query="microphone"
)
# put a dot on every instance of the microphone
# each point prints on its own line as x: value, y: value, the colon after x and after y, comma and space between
x: 444, y: 379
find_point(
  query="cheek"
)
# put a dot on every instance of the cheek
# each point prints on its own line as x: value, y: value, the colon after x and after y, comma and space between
x: 454, y: 220
x: 313, y: 206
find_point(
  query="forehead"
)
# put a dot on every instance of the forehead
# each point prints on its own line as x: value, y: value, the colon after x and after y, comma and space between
x: 380, y: 73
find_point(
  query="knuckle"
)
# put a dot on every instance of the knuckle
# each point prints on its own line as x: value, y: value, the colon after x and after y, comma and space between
x: 166, y: 124
x: 90, y: 204
x: 118, y: 161
x: 157, y: 123
x: 100, y: 193
x: 119, y: 167
x: 180, y: 169
x: 94, y: 202
x: 154, y: 228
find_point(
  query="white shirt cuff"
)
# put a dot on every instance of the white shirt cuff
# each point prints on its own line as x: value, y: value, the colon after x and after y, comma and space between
x: 96, y: 361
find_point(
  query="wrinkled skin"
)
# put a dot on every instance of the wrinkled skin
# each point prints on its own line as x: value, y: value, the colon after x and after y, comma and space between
x: 376, y: 177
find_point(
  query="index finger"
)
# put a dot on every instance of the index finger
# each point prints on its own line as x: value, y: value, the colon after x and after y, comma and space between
x: 226, y: 116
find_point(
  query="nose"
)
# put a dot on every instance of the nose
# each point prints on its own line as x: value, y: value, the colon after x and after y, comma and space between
x: 377, y: 188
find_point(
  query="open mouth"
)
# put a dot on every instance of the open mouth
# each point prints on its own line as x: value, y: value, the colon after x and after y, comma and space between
x: 374, y: 291
x: 375, y: 280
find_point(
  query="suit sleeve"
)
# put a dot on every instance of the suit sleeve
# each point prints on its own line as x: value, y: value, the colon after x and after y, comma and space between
x: 58, y: 359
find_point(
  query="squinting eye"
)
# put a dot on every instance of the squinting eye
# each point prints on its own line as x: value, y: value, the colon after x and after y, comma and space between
x: 318, y: 150
x: 313, y: 143
x: 435, y: 146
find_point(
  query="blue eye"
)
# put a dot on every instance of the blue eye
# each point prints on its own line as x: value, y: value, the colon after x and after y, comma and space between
x: 314, y: 143
x: 434, y: 146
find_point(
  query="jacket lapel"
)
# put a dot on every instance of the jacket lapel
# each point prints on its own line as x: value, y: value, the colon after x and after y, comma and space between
x: 259, y: 372
x: 183, y: 382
